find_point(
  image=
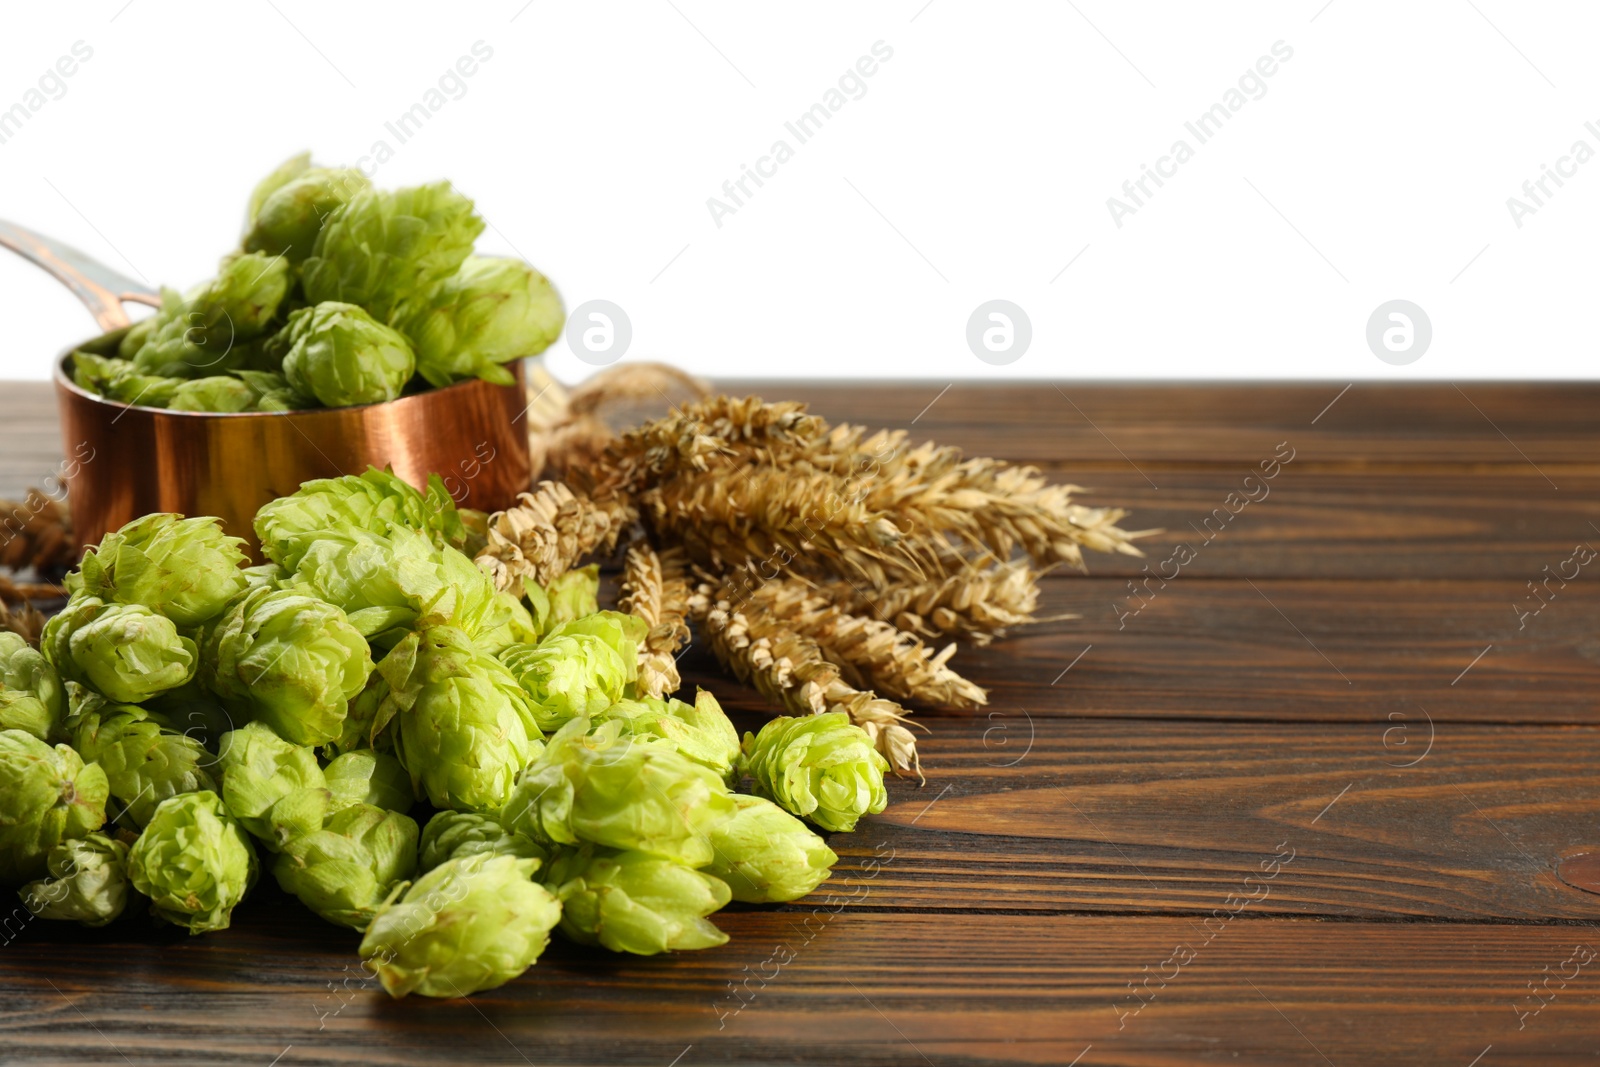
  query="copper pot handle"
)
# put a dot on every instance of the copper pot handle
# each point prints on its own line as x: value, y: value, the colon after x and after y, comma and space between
x: 101, y: 289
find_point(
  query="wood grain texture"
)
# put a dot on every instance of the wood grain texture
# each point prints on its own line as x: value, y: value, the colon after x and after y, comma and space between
x: 895, y: 989
x: 1350, y: 671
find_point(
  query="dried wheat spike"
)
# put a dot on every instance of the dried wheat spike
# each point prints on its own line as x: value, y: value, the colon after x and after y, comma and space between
x: 25, y: 621
x: 783, y: 516
x: 985, y: 503
x: 980, y: 602
x: 36, y: 532
x: 545, y: 535
x: 869, y: 653
x: 571, y: 447
x: 654, y: 588
x: 790, y: 670
x: 719, y: 432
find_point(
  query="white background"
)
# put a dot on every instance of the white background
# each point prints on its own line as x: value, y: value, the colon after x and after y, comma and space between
x: 976, y: 166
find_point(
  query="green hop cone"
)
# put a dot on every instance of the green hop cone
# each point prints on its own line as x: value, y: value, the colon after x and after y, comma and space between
x: 88, y: 882
x: 469, y: 924
x: 185, y: 569
x: 290, y: 217
x: 520, y: 626
x: 389, y: 582
x: 125, y: 651
x: 194, y: 861
x: 490, y: 312
x: 172, y: 350
x: 580, y: 668
x: 144, y: 757
x: 363, y: 776
x: 46, y: 796
x: 290, y: 661
x: 465, y: 726
x: 120, y: 380
x: 343, y: 356
x: 238, y: 304
x: 453, y: 834
x: 276, y: 790
x: 376, y: 502
x: 604, y: 788
x: 820, y: 767
x: 699, y: 731
x: 573, y: 595
x: 768, y: 856
x: 31, y: 697
x: 381, y: 249
x: 636, y: 902
x: 282, y: 175
x: 220, y: 395
x: 345, y: 871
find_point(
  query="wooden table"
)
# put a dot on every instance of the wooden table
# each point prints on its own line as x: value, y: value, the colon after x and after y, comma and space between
x: 1314, y: 802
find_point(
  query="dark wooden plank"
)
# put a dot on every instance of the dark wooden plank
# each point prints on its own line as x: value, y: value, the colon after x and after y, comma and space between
x: 1373, y: 423
x: 852, y: 988
x: 1303, y: 650
x: 1028, y: 813
x: 1446, y: 522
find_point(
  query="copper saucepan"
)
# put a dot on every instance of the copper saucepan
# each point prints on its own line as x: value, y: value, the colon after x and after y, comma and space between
x: 123, y: 461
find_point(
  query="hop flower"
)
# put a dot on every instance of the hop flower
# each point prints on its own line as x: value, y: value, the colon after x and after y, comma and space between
x: 453, y: 834
x: 125, y: 651
x: 345, y: 871
x: 469, y: 924
x: 185, y: 569
x: 292, y: 661
x: 490, y: 312
x: 465, y: 726
x: 120, y: 380
x: 289, y: 218
x: 819, y: 767
x: 377, y: 502
x: 636, y: 902
x: 699, y: 731
x: 88, y: 882
x: 275, y: 789
x: 363, y: 776
x: 46, y: 795
x: 31, y: 697
x: 193, y: 861
x: 343, y: 356
x: 605, y: 789
x: 574, y: 595
x: 144, y: 758
x: 210, y: 330
x: 282, y: 175
x: 222, y: 393
x: 388, y: 582
x: 239, y: 304
x: 580, y: 668
x: 767, y: 855
x: 382, y: 248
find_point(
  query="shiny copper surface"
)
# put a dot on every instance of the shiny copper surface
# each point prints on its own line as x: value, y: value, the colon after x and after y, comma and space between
x: 133, y: 460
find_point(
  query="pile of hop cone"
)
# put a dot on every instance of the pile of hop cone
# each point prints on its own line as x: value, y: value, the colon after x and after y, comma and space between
x: 824, y: 565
